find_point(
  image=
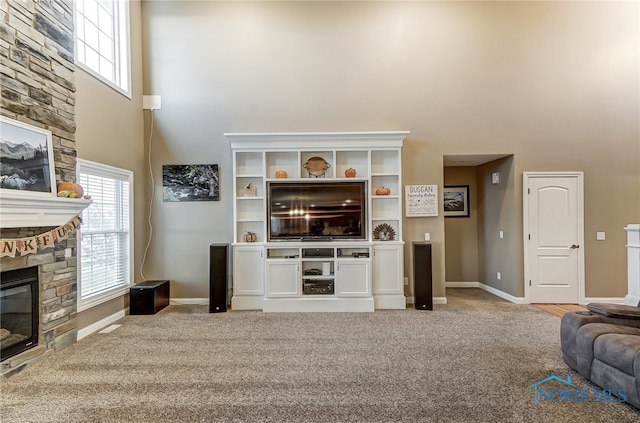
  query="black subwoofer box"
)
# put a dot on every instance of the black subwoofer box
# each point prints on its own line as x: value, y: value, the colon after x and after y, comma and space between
x: 218, y: 277
x: 149, y: 297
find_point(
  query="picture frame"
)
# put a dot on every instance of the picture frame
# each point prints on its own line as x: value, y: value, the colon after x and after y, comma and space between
x: 195, y: 182
x: 26, y: 159
x: 456, y: 201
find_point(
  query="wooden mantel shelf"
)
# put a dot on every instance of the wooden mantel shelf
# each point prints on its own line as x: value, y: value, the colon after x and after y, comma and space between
x: 26, y: 209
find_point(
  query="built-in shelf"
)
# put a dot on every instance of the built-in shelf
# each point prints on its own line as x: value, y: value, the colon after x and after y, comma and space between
x: 26, y: 209
x: 280, y: 276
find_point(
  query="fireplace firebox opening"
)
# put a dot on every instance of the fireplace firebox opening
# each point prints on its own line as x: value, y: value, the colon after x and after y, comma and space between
x: 19, y: 316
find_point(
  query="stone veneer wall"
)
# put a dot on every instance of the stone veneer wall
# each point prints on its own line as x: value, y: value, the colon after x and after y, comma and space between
x: 37, y: 86
x: 57, y: 276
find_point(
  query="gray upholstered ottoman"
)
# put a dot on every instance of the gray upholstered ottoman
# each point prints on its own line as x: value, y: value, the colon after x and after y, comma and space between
x: 603, y: 346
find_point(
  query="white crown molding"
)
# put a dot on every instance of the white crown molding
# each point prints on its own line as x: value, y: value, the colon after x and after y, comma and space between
x: 316, y: 139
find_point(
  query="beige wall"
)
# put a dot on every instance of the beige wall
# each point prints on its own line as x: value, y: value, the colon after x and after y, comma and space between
x: 554, y: 83
x: 110, y: 130
x: 497, y: 212
x: 474, y: 250
x: 461, y: 233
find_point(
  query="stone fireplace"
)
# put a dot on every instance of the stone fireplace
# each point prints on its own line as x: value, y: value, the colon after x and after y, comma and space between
x: 55, y: 269
x: 56, y: 298
x: 38, y: 88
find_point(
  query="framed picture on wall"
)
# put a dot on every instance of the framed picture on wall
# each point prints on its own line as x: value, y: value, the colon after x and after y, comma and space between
x: 195, y: 182
x: 456, y: 200
x: 26, y: 158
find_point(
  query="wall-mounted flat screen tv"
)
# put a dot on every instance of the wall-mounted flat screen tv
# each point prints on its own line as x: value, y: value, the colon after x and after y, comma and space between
x: 316, y: 210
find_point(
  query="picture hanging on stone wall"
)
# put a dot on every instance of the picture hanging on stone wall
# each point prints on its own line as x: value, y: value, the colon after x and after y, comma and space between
x: 190, y: 183
x: 26, y: 158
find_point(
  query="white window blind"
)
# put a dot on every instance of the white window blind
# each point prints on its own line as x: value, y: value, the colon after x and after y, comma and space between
x: 105, y: 233
x: 102, y: 40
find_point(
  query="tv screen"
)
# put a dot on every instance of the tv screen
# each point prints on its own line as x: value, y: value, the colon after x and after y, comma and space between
x: 316, y: 210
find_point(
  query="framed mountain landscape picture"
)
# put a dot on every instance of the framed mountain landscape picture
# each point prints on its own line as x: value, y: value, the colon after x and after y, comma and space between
x: 26, y: 158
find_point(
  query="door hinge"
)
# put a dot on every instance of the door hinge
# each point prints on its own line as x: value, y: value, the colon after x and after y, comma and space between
x: 529, y: 282
x: 529, y: 236
x: 528, y: 190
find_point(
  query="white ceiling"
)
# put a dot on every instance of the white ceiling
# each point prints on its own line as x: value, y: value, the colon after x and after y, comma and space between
x: 471, y: 159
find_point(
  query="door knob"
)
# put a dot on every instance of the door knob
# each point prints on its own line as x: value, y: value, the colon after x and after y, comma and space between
x: 574, y: 246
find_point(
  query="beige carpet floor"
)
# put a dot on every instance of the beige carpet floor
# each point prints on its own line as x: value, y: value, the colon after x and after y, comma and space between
x: 472, y: 360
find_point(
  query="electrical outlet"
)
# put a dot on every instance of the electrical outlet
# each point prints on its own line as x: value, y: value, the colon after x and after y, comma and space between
x: 499, y: 276
x: 501, y: 234
x: 406, y: 281
x: 600, y: 236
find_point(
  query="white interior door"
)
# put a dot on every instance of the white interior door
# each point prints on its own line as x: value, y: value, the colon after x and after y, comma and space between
x: 554, y: 234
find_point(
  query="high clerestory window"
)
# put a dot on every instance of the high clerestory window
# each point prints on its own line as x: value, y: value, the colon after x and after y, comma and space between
x: 102, y: 41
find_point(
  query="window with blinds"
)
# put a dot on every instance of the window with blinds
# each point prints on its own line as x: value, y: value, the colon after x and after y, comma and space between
x: 105, y: 238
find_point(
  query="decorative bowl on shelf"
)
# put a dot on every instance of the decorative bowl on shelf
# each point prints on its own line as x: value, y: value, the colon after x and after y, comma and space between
x: 316, y: 166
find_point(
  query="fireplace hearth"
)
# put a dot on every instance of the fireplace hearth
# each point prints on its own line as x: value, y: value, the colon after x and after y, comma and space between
x: 19, y: 316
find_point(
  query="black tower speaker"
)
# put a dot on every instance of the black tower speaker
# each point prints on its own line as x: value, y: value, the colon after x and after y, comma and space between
x: 422, y: 282
x: 218, y: 277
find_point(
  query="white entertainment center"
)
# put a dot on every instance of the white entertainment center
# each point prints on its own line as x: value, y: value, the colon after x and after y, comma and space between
x: 277, y: 273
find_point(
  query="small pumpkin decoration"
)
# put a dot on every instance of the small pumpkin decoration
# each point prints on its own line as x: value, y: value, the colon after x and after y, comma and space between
x: 69, y: 189
x: 249, y: 237
x: 383, y: 191
x: 350, y: 173
x: 281, y: 174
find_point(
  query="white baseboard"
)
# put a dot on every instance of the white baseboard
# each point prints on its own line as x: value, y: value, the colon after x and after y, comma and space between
x: 520, y: 300
x: 489, y: 289
x: 247, y: 302
x: 390, y: 302
x: 462, y: 284
x: 611, y: 300
x: 436, y: 300
x: 94, y: 327
x: 189, y: 301
x: 317, y: 305
x: 501, y: 294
